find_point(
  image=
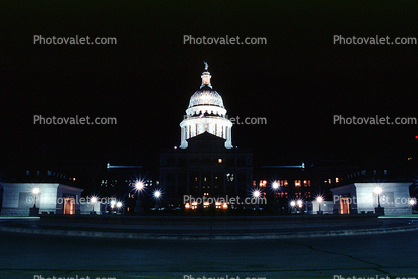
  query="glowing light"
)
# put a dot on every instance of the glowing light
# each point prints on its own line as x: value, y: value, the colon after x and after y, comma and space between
x: 299, y: 203
x: 256, y: 193
x: 275, y: 185
x: 119, y: 204
x: 378, y: 190
x: 319, y: 199
x: 93, y: 199
x: 139, y: 185
x: 35, y: 191
x: 187, y: 205
x: 292, y: 203
x: 205, y: 204
x: 112, y: 202
x: 225, y: 206
x: 157, y: 194
x: 412, y: 202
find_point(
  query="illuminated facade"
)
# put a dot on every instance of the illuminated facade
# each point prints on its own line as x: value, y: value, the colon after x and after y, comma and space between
x: 50, y: 198
x: 206, y: 113
x: 205, y: 165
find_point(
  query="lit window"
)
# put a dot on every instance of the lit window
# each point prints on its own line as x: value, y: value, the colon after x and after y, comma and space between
x: 297, y: 183
x: 285, y: 183
x: 263, y: 183
x: 337, y: 180
x: 219, y: 161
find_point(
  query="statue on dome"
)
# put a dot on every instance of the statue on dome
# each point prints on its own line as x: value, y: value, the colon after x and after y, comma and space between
x: 206, y: 65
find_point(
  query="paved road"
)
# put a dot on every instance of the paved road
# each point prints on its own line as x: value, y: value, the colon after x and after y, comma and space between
x: 391, y: 254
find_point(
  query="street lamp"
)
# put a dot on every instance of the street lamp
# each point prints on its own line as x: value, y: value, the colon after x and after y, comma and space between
x: 292, y: 206
x: 256, y: 195
x: 299, y: 203
x: 93, y: 200
x: 119, y: 206
x: 35, y: 192
x: 319, y: 200
x: 139, y: 186
x: 157, y: 195
x: 275, y: 187
x: 378, y: 191
x: 378, y: 210
x: 112, y: 205
x: 412, y: 202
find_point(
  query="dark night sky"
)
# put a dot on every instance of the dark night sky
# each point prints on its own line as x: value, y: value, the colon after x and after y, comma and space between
x: 298, y: 81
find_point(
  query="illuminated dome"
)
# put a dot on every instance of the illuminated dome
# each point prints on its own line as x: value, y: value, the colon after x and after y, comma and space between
x: 206, y: 96
x: 206, y: 113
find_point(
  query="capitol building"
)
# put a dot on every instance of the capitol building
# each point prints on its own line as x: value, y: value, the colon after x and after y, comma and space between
x: 206, y: 164
x: 206, y: 113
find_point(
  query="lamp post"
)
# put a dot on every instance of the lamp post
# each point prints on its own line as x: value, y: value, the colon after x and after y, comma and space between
x: 319, y: 200
x: 119, y: 206
x: 292, y: 206
x: 378, y: 210
x: 35, y: 192
x: 34, y: 211
x: 256, y: 195
x: 112, y: 205
x: 93, y: 200
x: 299, y: 204
x: 157, y: 195
x: 378, y: 191
x: 139, y: 186
x: 275, y: 187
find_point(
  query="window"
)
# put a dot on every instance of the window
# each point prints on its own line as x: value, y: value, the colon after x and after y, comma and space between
x: 297, y: 183
x: 263, y: 183
x: 219, y: 161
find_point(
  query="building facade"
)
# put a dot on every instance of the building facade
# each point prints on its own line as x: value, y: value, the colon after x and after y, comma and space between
x: 206, y: 164
x: 49, y: 198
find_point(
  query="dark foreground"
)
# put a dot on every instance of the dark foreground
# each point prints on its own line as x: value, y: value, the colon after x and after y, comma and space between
x: 32, y: 256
